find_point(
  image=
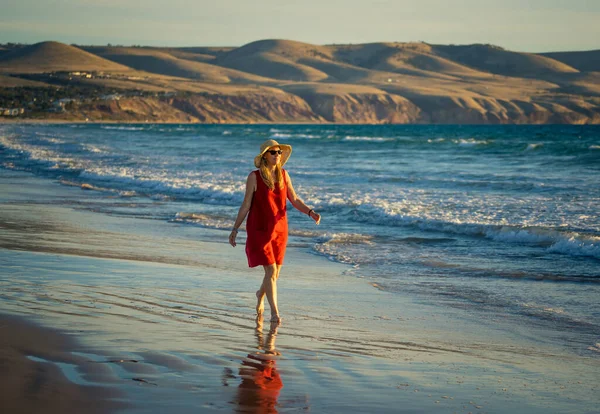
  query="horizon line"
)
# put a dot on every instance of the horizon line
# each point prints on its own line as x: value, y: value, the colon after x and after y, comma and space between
x: 110, y: 44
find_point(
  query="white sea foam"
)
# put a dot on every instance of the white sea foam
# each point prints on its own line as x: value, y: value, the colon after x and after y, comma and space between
x: 577, y: 246
x: 532, y: 147
x: 94, y: 149
x: 345, y: 248
x: 544, y: 308
x: 54, y: 140
x: 152, y: 182
x: 47, y: 156
x: 158, y: 183
x: 287, y: 136
x: 520, y: 235
x: 595, y: 147
x: 416, y: 211
x: 368, y: 139
x: 123, y: 128
x: 204, y: 220
x: 470, y: 142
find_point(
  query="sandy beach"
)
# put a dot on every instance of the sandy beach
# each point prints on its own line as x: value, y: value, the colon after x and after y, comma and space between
x: 107, y: 313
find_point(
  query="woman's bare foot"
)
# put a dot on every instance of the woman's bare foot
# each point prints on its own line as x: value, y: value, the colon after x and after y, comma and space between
x: 276, y: 321
x: 260, y: 305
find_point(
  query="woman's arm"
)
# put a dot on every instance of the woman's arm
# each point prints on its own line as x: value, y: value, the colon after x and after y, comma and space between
x: 298, y: 203
x: 244, y: 208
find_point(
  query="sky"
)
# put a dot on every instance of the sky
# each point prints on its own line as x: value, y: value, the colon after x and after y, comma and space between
x: 519, y: 25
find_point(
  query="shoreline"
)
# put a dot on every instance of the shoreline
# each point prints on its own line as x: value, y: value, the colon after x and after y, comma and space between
x: 187, y: 320
x: 108, y: 121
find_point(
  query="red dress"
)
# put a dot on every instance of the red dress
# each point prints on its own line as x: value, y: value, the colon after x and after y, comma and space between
x: 267, y: 227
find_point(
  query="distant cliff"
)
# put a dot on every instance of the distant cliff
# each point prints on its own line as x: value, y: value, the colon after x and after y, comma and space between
x: 365, y: 109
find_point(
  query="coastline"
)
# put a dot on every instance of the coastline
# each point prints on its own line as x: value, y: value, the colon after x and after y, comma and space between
x: 181, y: 307
x: 376, y: 83
x: 258, y: 123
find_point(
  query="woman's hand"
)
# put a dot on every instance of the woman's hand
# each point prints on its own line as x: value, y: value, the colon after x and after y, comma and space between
x: 232, y: 237
x: 316, y: 217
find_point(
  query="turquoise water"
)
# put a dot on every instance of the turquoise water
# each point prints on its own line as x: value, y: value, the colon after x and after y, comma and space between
x: 502, y: 220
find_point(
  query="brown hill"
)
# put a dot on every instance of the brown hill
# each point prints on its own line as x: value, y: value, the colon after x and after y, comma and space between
x: 585, y: 61
x: 12, y: 82
x: 277, y: 59
x: 498, y: 61
x: 164, y: 63
x: 195, y: 57
x: 289, y: 49
x: 403, y: 58
x: 54, y: 57
x: 208, y: 51
x: 288, y: 81
x: 299, y: 62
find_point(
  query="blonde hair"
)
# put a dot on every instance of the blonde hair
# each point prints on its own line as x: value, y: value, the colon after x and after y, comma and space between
x: 264, y: 172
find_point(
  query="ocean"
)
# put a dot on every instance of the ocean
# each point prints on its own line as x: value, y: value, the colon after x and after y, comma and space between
x: 502, y: 221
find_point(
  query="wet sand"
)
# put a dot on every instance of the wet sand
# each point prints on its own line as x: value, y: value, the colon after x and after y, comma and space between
x: 32, y: 380
x: 154, y: 318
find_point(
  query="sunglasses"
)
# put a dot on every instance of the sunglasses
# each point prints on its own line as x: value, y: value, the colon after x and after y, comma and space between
x: 273, y: 152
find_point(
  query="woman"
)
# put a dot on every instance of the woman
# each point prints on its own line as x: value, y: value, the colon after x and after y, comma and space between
x: 265, y: 204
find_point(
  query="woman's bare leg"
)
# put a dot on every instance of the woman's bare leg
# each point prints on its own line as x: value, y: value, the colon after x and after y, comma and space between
x: 269, y: 289
x: 275, y: 318
x: 260, y: 302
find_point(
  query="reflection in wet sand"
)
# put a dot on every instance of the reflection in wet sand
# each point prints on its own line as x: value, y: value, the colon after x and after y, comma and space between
x: 261, y: 383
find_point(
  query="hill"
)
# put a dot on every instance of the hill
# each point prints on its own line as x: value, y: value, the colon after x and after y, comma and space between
x: 403, y: 58
x: 587, y: 61
x: 175, y: 63
x: 278, y: 80
x: 278, y: 59
x: 494, y: 59
x: 12, y: 82
x: 54, y: 57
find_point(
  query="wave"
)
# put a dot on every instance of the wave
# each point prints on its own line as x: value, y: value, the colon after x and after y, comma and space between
x: 204, y: 220
x: 368, y: 139
x: 123, y: 128
x: 569, y: 241
x: 288, y: 136
x: 532, y: 147
x: 470, y: 142
x: 52, y: 140
x: 158, y: 186
x: 577, y: 246
x: 137, y: 180
x: 97, y: 169
x: 373, y: 251
x: 352, y: 249
x: 91, y: 187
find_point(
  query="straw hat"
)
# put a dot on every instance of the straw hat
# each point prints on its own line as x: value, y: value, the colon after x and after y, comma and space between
x: 270, y: 143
